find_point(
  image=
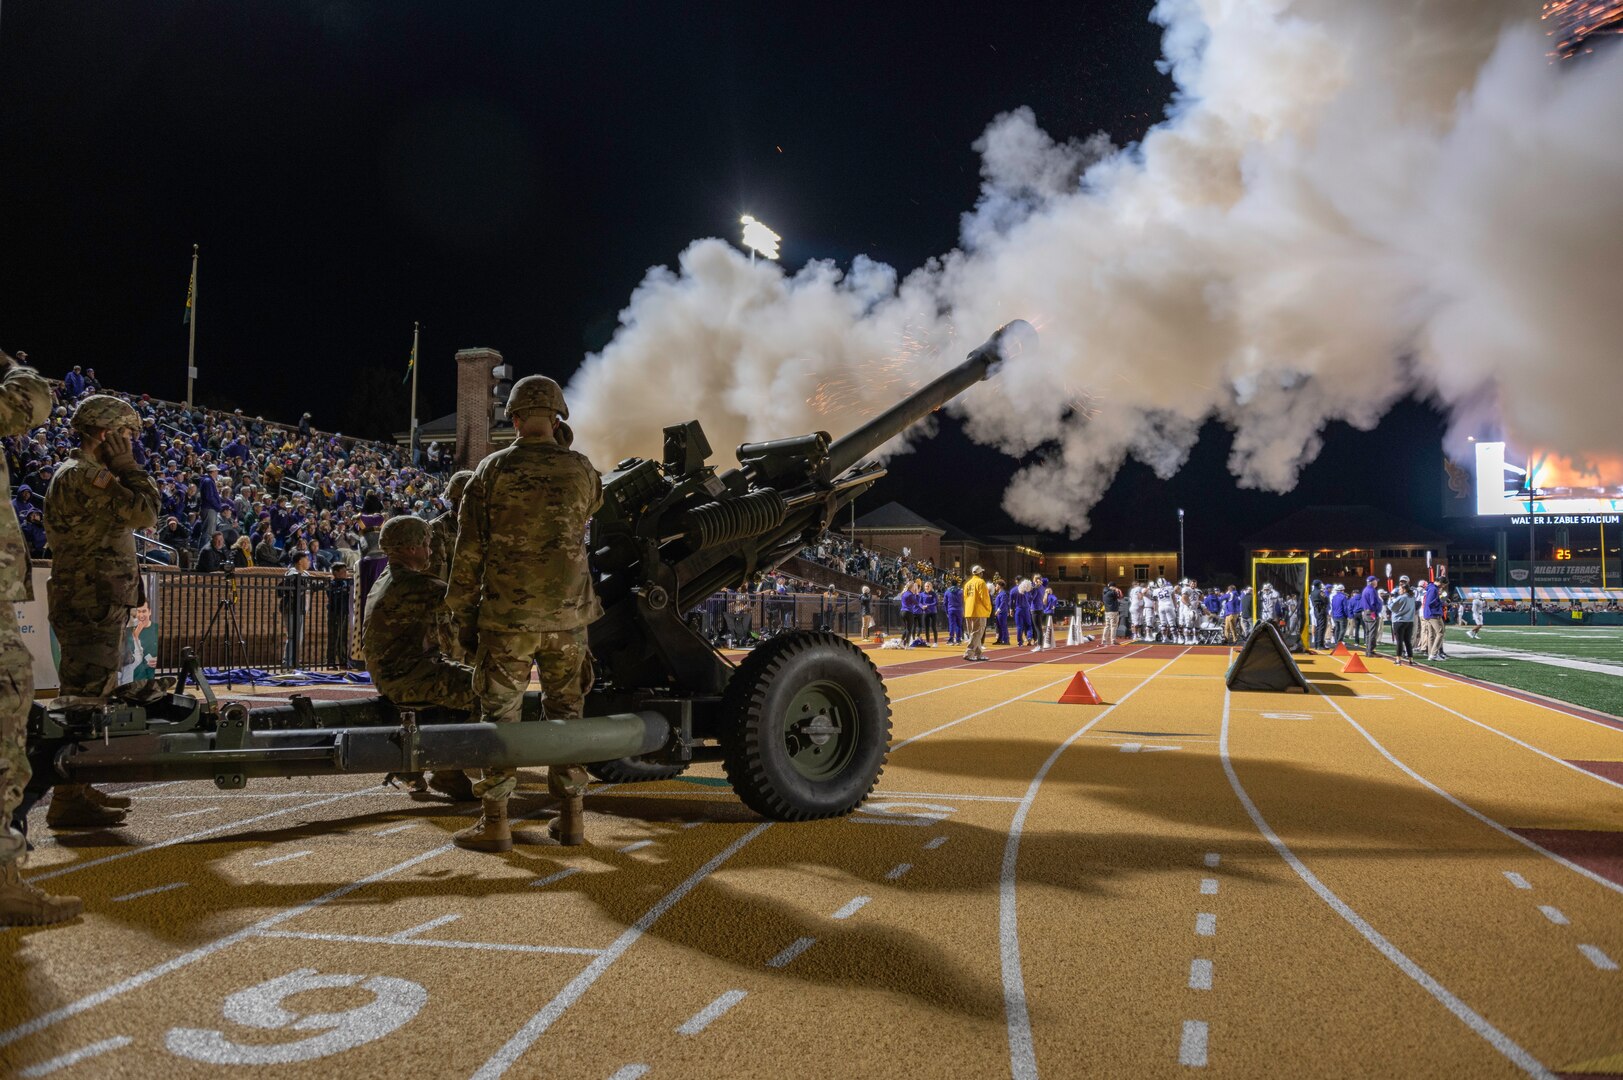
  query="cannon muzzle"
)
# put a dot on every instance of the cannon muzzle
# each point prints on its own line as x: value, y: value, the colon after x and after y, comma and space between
x: 848, y: 450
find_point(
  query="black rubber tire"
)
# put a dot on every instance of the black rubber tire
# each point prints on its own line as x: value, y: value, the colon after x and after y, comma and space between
x: 756, y: 759
x: 630, y: 770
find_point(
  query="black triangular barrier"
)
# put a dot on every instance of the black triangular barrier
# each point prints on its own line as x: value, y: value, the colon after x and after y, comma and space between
x: 1264, y: 663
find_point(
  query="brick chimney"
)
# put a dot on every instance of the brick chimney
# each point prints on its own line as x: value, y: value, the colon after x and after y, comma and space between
x: 473, y: 404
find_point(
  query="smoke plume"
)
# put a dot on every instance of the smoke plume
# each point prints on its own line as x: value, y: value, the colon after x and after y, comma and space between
x: 1347, y: 204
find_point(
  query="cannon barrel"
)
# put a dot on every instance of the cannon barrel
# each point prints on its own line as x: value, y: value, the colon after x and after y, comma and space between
x: 847, y: 450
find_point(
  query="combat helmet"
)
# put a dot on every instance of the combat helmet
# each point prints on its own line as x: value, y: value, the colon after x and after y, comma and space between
x: 537, y: 392
x: 404, y: 531
x: 104, y: 411
x: 457, y: 485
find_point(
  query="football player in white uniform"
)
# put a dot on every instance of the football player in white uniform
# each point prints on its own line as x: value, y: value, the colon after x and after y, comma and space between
x: 1166, y: 614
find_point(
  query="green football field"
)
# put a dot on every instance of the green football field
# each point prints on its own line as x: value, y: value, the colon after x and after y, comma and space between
x: 1575, y: 642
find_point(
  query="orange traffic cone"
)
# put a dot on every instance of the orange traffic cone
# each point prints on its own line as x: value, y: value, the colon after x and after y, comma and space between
x: 1340, y: 649
x: 1080, y: 692
x: 1354, y: 666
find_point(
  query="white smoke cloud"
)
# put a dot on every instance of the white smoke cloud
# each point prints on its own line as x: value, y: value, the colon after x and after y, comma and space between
x: 1348, y: 204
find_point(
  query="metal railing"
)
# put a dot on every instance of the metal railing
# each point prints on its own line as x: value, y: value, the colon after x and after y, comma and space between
x: 254, y: 618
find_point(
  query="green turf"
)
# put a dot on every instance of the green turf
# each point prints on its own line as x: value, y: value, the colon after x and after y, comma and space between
x: 1574, y: 642
x: 1592, y: 690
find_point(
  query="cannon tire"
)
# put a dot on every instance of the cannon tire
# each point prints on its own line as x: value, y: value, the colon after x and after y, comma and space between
x: 630, y: 770
x: 783, y: 761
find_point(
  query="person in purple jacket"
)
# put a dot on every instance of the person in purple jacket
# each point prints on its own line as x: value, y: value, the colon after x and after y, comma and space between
x: 929, y: 603
x: 908, y: 602
x: 208, y: 490
x: 1044, y: 602
x: 1370, y: 607
x: 1022, y: 611
x: 1434, y: 617
x: 1000, y: 610
x: 1338, y: 614
x: 953, y: 601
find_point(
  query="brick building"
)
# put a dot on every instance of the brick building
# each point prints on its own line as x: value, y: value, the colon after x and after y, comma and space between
x: 1347, y: 543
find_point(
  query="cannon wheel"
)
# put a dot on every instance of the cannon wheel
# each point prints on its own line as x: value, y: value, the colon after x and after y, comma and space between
x: 630, y: 770
x: 805, y: 727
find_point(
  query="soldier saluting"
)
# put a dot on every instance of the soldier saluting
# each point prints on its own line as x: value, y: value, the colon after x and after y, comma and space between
x: 521, y: 592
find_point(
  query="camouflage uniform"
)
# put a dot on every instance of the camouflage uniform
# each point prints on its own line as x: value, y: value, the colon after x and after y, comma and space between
x: 442, y: 530
x: 406, y: 636
x: 521, y: 583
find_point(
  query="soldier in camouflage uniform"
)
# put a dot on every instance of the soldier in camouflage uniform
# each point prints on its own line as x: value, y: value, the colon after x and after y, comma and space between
x: 95, y: 503
x: 406, y: 634
x: 25, y: 403
x: 442, y: 530
x: 521, y: 593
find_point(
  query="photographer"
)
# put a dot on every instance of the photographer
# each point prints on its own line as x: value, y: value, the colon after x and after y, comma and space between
x: 214, y: 558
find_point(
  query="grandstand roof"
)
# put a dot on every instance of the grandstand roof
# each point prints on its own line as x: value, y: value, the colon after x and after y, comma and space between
x: 954, y: 534
x: 1343, y: 526
x: 894, y: 515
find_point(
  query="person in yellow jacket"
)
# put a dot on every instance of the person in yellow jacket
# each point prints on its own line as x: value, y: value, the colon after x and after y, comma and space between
x: 977, y: 609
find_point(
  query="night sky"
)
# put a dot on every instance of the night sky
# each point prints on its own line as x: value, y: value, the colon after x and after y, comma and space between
x: 505, y: 173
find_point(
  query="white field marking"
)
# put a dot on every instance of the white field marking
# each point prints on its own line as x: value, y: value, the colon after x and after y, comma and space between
x: 1017, y: 1014
x: 1200, y: 974
x: 1130, y: 747
x: 931, y: 845
x: 944, y: 796
x: 1070, y: 651
x: 551, y: 879
x: 191, y: 813
x: 73, y: 1057
x: 428, y: 943
x: 1595, y: 956
x: 1510, y: 738
x: 1153, y: 746
x: 1493, y: 689
x: 1213, y: 858
x: 897, y: 871
x: 537, y: 1025
x: 199, y: 835
x: 693, y: 825
x: 229, y: 796
x: 149, y: 892
x: 423, y: 928
x: 711, y: 1012
x: 852, y: 906
x: 273, y: 860
x: 1517, y: 880
x: 636, y: 845
x: 391, y: 830
x: 1192, y: 1044
x: 1463, y: 1012
x: 794, y: 949
x: 1208, y: 886
x: 629, y: 1072
x: 1554, y: 914
x: 1206, y: 924
x: 1479, y: 815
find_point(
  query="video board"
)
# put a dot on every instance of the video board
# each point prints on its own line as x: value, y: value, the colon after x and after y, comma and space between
x: 1509, y: 482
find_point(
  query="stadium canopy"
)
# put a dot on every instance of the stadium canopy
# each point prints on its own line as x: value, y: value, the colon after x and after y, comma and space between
x: 1545, y: 592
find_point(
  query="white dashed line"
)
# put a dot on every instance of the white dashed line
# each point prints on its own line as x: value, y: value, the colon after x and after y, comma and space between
x: 1208, y: 886
x: 282, y: 858
x: 635, y: 846
x: 1595, y: 956
x: 1200, y: 974
x: 798, y: 946
x: 423, y: 928
x: 73, y: 1057
x: 391, y: 830
x: 1213, y: 858
x: 1206, y: 924
x: 629, y: 1072
x: 429, y: 943
x: 192, y: 813
x: 851, y: 907
x: 897, y: 871
x: 149, y: 892
x: 693, y: 825
x: 711, y: 1012
x: 931, y: 845
x: 1192, y: 1046
x: 553, y: 878
x: 1554, y: 914
x: 1517, y: 880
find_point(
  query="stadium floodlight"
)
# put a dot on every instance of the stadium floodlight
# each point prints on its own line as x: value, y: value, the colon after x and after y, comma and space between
x: 759, y: 239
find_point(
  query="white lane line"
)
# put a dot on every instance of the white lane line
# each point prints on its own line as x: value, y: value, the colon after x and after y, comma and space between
x: 1580, y: 770
x: 693, y: 825
x: 931, y: 845
x: 1583, y: 871
x: 1192, y: 1044
x: 1016, y: 1011
x: 1213, y: 858
x: 199, y: 835
x: 944, y: 796
x: 1517, y: 880
x: 897, y: 871
x: 711, y: 1012
x: 629, y: 1072
x: 552, y: 879
x: 283, y: 858
x: 1208, y: 886
x: 852, y: 906
x: 1499, y: 692
x: 231, y: 796
x: 192, y: 813
x: 1206, y: 924
x: 1200, y: 974
x: 1596, y: 956
x: 391, y: 830
x: 795, y: 948
x: 537, y: 1025
x: 1009, y: 701
x: 73, y: 1057
x: 1463, y: 1012
x: 636, y: 846
x: 1554, y: 914
x: 428, y: 943
x: 423, y: 928
x: 149, y: 892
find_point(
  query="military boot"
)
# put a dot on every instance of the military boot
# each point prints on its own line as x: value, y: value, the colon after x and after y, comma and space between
x: 102, y: 799
x: 22, y: 904
x: 490, y: 833
x: 71, y: 808
x: 569, y: 827
x: 453, y: 784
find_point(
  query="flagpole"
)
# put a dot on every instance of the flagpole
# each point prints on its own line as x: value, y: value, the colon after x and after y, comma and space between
x: 191, y: 346
x: 415, y: 329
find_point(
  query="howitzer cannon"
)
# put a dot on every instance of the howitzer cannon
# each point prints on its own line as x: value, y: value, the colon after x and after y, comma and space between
x: 801, y: 724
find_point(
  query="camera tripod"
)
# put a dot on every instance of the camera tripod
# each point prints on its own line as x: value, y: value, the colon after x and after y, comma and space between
x: 236, y: 645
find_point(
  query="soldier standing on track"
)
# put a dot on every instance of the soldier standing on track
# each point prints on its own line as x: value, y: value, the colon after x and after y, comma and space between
x: 95, y: 503
x: 25, y: 403
x: 521, y: 591
x: 442, y: 530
